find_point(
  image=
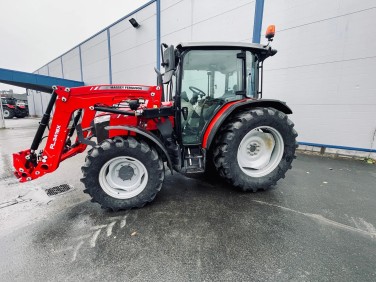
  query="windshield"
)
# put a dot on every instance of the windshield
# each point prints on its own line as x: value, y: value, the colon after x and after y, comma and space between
x: 9, y: 101
x: 215, y: 72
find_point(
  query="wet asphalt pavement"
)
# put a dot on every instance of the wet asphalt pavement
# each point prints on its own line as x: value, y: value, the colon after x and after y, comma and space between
x: 317, y: 225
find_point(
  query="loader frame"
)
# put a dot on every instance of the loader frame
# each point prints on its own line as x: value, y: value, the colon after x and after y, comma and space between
x: 73, y: 104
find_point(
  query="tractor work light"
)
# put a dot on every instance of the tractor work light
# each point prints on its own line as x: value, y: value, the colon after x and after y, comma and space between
x: 270, y: 32
x: 134, y: 23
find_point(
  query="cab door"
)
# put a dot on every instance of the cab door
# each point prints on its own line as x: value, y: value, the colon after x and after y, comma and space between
x: 210, y: 78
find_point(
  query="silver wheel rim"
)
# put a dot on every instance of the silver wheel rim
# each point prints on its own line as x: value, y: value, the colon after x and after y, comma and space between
x: 6, y: 113
x: 260, y: 151
x: 123, y: 177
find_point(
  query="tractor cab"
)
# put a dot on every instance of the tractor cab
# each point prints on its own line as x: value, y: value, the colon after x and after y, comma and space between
x: 210, y: 78
x: 202, y: 77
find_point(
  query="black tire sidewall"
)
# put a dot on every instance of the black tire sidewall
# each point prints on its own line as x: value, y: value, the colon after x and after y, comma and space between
x: 11, y: 113
x: 278, y: 122
x: 99, y: 195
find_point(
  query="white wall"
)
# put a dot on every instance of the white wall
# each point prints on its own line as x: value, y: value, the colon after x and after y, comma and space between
x: 37, y: 102
x: 195, y: 20
x: 325, y: 68
x: 55, y: 68
x: 133, y: 57
x: 71, y: 64
x: 94, y: 54
x: 133, y: 50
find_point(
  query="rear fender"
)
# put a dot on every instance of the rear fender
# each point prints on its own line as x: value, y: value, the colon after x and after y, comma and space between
x: 232, y: 107
x: 130, y: 130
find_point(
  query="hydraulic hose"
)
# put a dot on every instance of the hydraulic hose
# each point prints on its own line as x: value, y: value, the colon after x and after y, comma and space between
x: 43, y: 123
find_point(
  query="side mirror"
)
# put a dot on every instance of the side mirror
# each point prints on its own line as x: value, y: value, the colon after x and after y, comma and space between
x: 270, y: 32
x: 168, y: 61
x: 163, y: 45
x: 168, y: 57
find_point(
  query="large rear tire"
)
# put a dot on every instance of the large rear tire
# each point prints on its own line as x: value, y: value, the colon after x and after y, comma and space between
x: 9, y: 113
x: 123, y: 173
x: 255, y: 148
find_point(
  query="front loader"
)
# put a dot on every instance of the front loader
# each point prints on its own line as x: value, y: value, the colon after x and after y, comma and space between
x: 205, y: 113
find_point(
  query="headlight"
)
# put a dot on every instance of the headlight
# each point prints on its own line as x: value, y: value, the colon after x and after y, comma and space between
x: 101, y: 119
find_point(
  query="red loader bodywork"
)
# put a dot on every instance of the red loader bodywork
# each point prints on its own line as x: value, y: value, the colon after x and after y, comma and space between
x: 68, y: 101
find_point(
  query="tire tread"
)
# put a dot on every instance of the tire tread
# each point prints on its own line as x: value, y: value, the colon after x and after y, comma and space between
x: 118, y: 144
x: 223, y: 157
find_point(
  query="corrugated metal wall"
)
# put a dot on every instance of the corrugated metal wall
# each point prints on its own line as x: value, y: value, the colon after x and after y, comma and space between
x: 133, y: 51
x: 194, y: 20
x: 71, y: 64
x: 133, y: 57
x: 323, y: 70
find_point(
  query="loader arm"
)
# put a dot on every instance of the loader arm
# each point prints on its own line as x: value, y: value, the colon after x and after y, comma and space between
x: 79, y: 105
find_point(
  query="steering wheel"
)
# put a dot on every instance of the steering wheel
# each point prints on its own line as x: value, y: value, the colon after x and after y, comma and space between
x: 197, y: 91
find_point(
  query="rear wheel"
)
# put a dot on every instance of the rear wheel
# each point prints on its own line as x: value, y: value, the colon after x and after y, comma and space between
x: 123, y: 173
x: 8, y: 113
x: 255, y: 149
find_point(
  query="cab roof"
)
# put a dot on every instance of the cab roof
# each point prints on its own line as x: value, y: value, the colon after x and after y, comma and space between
x: 263, y: 51
x: 221, y: 44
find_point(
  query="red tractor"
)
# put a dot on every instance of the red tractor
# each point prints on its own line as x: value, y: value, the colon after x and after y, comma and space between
x: 11, y: 108
x: 205, y: 113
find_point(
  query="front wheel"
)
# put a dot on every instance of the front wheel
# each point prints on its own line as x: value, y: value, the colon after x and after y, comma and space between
x: 255, y: 149
x: 123, y: 173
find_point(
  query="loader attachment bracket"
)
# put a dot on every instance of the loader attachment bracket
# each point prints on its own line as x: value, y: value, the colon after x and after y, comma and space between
x: 81, y: 137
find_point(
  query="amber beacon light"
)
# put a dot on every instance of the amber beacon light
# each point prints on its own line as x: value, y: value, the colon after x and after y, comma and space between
x: 270, y: 32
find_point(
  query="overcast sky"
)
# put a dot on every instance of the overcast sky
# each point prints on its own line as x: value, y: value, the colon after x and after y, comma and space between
x: 34, y: 32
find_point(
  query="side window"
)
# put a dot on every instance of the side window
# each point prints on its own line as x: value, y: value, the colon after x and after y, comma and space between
x: 252, y: 75
x: 209, y: 77
x: 194, y: 78
x: 233, y: 84
x: 218, y: 85
x: 171, y: 88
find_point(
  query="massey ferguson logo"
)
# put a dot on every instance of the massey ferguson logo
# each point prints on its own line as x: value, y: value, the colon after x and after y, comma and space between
x: 122, y: 87
x: 132, y: 87
x: 54, y: 139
